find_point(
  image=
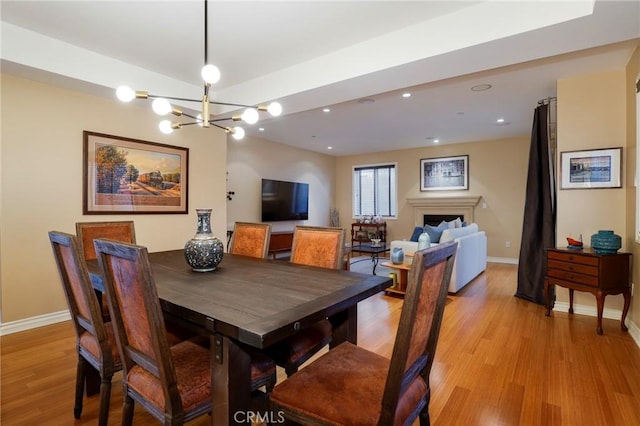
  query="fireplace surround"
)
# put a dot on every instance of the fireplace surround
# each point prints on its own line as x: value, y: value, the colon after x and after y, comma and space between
x: 454, y: 207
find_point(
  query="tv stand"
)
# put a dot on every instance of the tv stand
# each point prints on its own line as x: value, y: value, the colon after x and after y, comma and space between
x: 280, y: 242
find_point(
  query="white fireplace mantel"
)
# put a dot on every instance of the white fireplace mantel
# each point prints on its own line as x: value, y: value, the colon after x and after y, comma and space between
x: 462, y: 206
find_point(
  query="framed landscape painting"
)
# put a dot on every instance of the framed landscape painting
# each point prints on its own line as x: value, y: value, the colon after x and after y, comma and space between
x: 444, y: 173
x: 128, y: 176
x: 598, y: 168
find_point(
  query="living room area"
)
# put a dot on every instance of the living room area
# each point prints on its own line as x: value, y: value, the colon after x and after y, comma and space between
x: 500, y: 360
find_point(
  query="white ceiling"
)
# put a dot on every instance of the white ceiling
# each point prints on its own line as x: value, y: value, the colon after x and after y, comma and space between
x: 311, y: 55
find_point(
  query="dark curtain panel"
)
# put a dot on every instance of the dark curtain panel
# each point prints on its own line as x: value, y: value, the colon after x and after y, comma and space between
x: 538, y: 229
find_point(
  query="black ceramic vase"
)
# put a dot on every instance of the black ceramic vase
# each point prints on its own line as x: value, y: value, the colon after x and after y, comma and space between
x: 204, y: 251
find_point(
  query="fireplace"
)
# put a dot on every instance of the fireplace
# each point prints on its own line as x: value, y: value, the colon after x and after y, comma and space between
x: 450, y: 207
x: 436, y: 219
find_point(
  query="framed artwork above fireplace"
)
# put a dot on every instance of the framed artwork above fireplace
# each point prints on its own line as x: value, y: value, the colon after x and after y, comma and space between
x: 444, y: 173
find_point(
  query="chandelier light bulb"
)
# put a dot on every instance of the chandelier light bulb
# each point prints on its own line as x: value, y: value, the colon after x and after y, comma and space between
x: 210, y: 74
x: 199, y: 120
x: 161, y: 106
x: 125, y: 93
x: 165, y: 127
x: 274, y: 109
x: 238, y: 133
x: 250, y: 116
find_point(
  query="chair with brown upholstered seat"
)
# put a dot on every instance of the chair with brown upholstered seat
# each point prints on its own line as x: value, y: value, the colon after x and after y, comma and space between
x: 86, y: 232
x: 250, y: 239
x: 353, y: 386
x: 313, y: 246
x: 95, y: 342
x: 173, y: 383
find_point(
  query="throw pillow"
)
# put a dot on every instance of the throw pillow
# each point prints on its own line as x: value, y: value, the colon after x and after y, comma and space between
x: 416, y: 233
x: 435, y: 232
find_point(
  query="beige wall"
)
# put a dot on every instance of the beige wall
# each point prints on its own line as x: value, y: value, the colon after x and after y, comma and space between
x: 41, y: 185
x: 497, y: 173
x: 250, y: 160
x: 633, y: 136
x: 592, y: 114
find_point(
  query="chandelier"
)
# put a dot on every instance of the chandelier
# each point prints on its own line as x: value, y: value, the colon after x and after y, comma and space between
x: 211, y: 75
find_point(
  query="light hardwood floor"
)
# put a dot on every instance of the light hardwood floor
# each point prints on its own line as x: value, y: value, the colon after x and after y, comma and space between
x: 499, y: 361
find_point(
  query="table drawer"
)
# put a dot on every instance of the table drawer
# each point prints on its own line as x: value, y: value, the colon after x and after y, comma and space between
x: 573, y: 267
x: 573, y: 277
x: 573, y: 258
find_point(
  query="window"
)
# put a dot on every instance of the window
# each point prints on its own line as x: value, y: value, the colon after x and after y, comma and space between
x: 374, y: 190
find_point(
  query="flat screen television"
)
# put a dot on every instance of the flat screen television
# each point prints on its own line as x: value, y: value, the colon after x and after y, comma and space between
x: 284, y: 200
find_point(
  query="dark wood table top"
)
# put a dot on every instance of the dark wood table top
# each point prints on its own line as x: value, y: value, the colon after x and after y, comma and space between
x: 255, y: 301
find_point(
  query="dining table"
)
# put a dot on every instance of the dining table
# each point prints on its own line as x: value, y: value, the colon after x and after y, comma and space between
x: 253, y: 302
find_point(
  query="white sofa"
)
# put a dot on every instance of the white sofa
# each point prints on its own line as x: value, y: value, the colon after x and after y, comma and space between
x: 471, y: 257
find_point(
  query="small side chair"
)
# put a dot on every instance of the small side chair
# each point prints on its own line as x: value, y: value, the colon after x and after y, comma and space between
x: 350, y: 385
x: 95, y: 342
x: 250, y: 239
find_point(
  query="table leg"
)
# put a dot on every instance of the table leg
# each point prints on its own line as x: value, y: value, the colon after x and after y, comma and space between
x: 345, y: 327
x: 374, y: 259
x: 600, y: 305
x: 570, y: 300
x: 230, y: 381
x: 625, y: 309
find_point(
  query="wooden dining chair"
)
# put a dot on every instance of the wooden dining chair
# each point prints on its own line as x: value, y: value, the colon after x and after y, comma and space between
x: 95, y: 343
x: 117, y: 230
x: 123, y: 231
x: 350, y: 385
x: 172, y: 382
x: 313, y: 246
x: 250, y: 239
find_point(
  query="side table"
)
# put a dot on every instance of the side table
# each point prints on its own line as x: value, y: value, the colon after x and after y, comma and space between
x: 586, y: 270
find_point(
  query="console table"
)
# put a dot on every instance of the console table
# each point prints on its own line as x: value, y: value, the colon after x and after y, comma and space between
x: 280, y: 242
x: 586, y: 270
x: 361, y: 232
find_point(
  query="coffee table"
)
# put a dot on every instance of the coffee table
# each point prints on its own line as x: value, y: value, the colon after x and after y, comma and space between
x: 372, y: 249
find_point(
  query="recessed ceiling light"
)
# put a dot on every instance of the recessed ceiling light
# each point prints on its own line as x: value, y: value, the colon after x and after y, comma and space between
x: 502, y: 123
x: 406, y: 95
x: 261, y: 129
x: 460, y: 112
x: 367, y: 101
x: 432, y: 139
x: 329, y: 147
x: 500, y: 120
x: 480, y: 87
x: 326, y: 110
x: 436, y: 140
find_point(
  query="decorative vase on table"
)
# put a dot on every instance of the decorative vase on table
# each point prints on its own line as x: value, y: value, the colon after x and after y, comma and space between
x: 397, y: 256
x: 606, y: 242
x: 204, y: 251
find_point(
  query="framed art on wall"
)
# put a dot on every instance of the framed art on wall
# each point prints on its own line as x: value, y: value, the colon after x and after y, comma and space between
x: 127, y: 176
x: 444, y: 173
x: 598, y: 168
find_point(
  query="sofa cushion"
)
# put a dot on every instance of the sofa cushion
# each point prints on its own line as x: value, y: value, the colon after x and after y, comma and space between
x: 416, y: 233
x: 435, y: 231
x: 453, y: 233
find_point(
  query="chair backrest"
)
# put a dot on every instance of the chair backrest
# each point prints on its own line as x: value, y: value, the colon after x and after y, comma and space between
x: 137, y: 316
x: 250, y: 239
x: 318, y: 246
x: 415, y: 344
x: 88, y: 231
x: 85, y: 311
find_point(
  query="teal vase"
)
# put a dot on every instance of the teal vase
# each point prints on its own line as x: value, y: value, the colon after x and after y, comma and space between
x: 606, y: 242
x: 397, y: 256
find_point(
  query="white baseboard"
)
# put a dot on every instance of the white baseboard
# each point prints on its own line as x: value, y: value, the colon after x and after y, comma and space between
x: 615, y: 314
x: 508, y: 260
x: 34, y: 322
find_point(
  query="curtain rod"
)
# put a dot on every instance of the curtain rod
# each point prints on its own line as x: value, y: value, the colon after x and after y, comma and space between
x: 547, y: 100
